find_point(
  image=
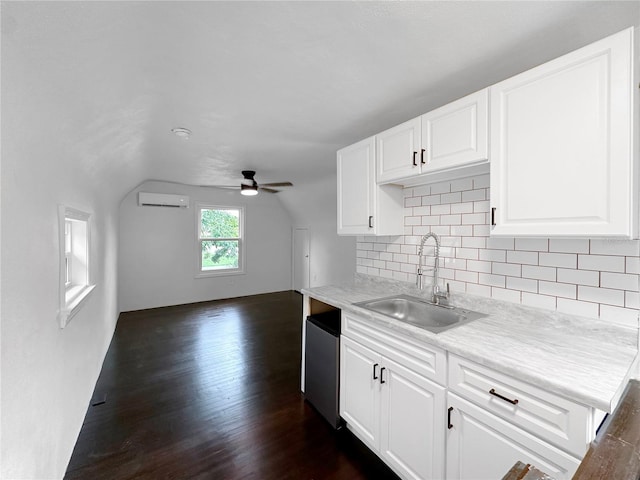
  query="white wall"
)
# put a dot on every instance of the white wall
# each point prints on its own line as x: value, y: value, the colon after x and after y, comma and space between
x: 314, y: 204
x: 157, y: 263
x: 48, y: 374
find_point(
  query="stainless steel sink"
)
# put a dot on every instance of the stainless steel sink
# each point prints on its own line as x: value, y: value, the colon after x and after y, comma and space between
x: 418, y: 312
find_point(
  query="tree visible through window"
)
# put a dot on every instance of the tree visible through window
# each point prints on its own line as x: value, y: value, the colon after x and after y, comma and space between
x: 220, y: 237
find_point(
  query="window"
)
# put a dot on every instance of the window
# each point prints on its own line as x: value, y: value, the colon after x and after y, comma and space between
x: 75, y: 283
x: 220, y: 244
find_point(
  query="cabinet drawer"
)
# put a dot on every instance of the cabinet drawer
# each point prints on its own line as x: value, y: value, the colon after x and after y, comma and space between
x: 426, y: 360
x: 557, y: 420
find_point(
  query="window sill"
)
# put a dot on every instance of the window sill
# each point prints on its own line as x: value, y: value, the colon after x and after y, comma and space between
x: 219, y: 273
x: 74, y: 299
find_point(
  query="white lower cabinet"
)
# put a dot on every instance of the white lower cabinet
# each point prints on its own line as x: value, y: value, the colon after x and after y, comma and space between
x: 429, y: 414
x: 483, y: 446
x: 394, y: 410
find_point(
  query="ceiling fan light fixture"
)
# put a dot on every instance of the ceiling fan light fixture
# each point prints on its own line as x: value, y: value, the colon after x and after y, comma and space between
x: 181, y: 132
x: 248, y: 190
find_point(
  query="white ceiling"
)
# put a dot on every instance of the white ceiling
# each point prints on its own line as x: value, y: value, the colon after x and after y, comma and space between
x: 273, y: 86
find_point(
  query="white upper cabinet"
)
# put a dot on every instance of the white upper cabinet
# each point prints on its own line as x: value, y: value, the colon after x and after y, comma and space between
x: 398, y: 151
x: 447, y: 138
x: 364, y: 208
x: 561, y: 146
x: 457, y: 134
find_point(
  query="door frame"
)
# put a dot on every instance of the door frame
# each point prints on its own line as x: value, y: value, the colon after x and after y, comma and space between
x: 293, y: 254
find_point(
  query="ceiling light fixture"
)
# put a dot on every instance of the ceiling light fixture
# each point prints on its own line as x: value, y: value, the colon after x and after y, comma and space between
x: 181, y: 132
x: 249, y: 190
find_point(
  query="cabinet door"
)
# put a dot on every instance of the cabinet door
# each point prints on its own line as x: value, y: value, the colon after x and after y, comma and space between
x: 480, y: 446
x: 561, y: 149
x: 412, y: 414
x: 356, y: 188
x: 360, y: 391
x: 457, y: 134
x: 398, y: 153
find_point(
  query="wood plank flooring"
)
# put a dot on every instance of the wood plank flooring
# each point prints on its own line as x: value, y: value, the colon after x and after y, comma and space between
x: 211, y: 391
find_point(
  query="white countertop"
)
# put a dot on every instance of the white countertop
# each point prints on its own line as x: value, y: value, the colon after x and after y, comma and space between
x: 588, y: 361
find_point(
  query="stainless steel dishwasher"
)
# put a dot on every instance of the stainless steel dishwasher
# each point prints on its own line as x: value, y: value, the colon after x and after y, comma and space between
x: 322, y: 364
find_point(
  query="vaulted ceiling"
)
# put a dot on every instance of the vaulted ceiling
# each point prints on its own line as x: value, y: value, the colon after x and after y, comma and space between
x: 271, y: 86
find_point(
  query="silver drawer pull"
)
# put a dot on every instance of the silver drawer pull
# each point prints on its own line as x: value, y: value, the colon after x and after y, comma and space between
x: 512, y: 402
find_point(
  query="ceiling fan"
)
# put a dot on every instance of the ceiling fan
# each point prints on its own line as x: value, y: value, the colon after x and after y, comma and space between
x: 249, y: 186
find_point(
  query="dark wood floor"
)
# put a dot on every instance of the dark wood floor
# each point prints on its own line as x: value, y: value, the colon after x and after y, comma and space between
x: 211, y: 391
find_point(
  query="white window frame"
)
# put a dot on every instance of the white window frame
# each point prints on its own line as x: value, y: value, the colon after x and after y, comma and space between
x: 200, y: 273
x: 75, y: 253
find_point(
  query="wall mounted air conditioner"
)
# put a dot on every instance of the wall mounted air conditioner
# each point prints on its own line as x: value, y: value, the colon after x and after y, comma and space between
x: 162, y: 200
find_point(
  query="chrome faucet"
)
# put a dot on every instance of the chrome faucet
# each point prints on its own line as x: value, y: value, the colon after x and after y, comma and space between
x: 437, y: 296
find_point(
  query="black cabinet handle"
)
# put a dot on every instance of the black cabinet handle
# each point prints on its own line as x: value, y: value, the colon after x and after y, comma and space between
x: 449, y: 425
x: 494, y: 393
x: 375, y: 365
x: 370, y: 221
x: 493, y: 216
x: 422, y: 161
x: 415, y: 162
x: 382, y: 370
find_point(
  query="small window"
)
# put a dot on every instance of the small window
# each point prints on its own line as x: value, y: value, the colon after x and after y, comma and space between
x: 75, y: 284
x: 220, y: 240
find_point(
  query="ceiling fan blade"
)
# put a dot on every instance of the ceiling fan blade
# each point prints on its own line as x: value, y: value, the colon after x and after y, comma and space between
x: 268, y: 190
x: 278, y: 184
x: 231, y: 187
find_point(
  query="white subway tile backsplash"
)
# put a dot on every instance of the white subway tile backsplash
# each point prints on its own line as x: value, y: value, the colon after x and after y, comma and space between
x: 455, y: 197
x: 621, y: 316
x: 511, y: 269
x: 473, y: 195
x: 468, y: 253
x: 462, y: 184
x: 481, y: 230
x: 450, y: 219
x: 421, y: 191
x: 493, y: 255
x: 412, y: 201
x: 477, y: 289
x: 620, y: 281
x: 506, y: 295
x: 564, y: 260
x: 579, y: 277
x: 568, y: 245
x: 532, y: 244
x: 501, y: 243
x: 444, y: 187
x: 522, y: 284
x: 462, y: 230
x: 465, y: 276
x: 422, y: 211
x: 474, y: 242
x: 632, y: 300
x: 604, y: 263
x: 576, y: 307
x: 525, y: 258
x: 601, y: 295
x: 466, y: 207
x: 478, y: 266
x: 564, y: 290
x: 539, y: 301
x: 492, y: 280
x: 441, y: 209
x: 431, y: 200
x: 590, y: 277
x: 539, y: 273
x: 474, y: 218
x: 481, y: 181
x: 615, y: 247
x: 632, y: 265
